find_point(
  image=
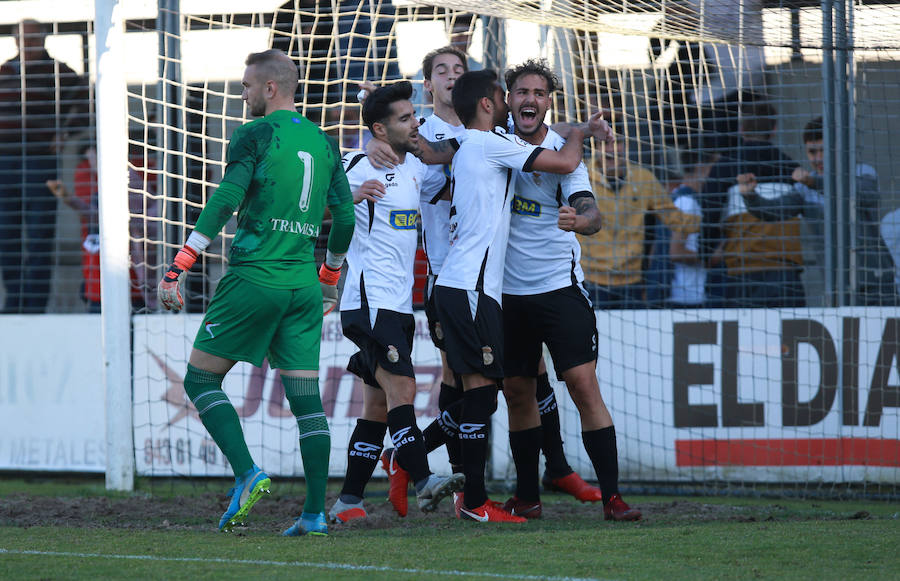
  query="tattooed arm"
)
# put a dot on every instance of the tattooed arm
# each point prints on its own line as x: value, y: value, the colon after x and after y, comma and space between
x: 582, y: 217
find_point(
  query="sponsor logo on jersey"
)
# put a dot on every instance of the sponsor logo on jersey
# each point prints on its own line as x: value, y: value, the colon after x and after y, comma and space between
x: 403, y: 219
x: 438, y: 136
x: 209, y: 329
x: 526, y: 207
x: 389, y: 177
x: 294, y: 227
x: 366, y: 450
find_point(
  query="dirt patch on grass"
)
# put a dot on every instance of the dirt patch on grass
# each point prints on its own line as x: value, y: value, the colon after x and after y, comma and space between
x: 275, y: 512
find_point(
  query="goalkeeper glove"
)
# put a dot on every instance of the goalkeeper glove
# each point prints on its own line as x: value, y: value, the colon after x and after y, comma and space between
x: 172, y: 283
x: 329, y: 278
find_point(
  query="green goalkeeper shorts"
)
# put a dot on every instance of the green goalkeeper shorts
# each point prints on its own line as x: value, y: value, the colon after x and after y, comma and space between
x: 247, y: 322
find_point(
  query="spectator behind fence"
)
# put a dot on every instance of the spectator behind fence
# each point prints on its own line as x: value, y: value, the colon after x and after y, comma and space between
x: 763, y: 260
x: 612, y: 258
x: 85, y: 202
x: 41, y: 100
x: 890, y: 233
x: 874, y: 271
x: 688, y: 285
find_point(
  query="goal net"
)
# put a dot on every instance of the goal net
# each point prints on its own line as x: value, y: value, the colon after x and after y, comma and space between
x: 802, y: 395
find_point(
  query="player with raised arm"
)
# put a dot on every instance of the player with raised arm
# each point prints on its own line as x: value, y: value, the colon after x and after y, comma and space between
x: 376, y: 306
x: 441, y: 67
x: 544, y: 302
x: 281, y: 172
x: 468, y: 289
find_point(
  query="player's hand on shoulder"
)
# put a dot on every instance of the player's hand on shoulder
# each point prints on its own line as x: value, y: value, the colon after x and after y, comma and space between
x: 381, y: 155
x: 369, y: 190
x: 566, y: 219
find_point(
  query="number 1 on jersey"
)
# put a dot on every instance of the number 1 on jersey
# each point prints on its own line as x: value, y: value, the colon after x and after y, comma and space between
x: 306, y: 159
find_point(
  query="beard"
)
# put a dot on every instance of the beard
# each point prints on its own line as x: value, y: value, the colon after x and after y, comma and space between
x: 257, y: 109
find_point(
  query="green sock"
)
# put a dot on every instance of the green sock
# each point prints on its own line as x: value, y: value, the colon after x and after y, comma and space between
x: 218, y: 416
x: 315, y: 441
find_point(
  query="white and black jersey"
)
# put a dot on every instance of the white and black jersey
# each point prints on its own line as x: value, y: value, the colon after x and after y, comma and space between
x: 541, y: 257
x: 436, y: 212
x: 383, y: 250
x: 482, y: 180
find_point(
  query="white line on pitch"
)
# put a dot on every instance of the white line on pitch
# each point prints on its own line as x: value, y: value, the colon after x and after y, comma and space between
x: 336, y: 566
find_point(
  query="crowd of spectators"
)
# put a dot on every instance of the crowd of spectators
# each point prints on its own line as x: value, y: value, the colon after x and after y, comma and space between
x: 740, y: 225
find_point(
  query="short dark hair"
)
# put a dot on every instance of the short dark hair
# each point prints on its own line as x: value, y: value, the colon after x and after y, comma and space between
x: 276, y: 66
x: 813, y: 130
x: 691, y: 159
x: 469, y: 89
x: 428, y: 61
x: 532, y: 67
x: 758, y: 118
x: 377, y: 106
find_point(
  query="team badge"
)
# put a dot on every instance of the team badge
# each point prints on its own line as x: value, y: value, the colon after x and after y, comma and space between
x: 392, y: 354
x: 487, y: 355
x: 438, y: 331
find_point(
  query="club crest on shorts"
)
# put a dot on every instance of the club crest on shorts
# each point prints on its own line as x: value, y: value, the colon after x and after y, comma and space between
x: 392, y: 354
x: 438, y: 331
x: 487, y: 355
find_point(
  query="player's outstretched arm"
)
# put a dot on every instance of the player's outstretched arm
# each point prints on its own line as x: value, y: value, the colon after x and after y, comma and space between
x: 565, y: 160
x: 596, y: 127
x: 382, y: 156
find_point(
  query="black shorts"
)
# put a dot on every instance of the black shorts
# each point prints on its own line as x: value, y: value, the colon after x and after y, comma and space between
x: 563, y: 319
x: 474, y: 344
x: 434, y: 326
x: 387, y: 344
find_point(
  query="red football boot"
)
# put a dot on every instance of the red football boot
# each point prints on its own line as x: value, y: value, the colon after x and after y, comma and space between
x: 398, y: 479
x: 617, y: 509
x: 575, y: 485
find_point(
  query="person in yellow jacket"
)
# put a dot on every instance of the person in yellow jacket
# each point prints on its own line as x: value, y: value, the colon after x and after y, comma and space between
x: 612, y: 258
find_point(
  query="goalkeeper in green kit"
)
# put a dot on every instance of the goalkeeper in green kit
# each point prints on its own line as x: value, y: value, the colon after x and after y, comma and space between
x: 281, y: 172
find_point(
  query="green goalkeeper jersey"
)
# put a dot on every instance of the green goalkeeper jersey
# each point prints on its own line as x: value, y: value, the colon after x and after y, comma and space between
x: 282, y: 171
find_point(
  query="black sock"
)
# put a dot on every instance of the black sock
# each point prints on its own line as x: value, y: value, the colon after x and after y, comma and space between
x: 526, y: 453
x: 551, y: 444
x: 363, y: 453
x: 408, y: 441
x: 601, y: 449
x: 444, y: 429
x: 478, y: 405
x: 449, y: 396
